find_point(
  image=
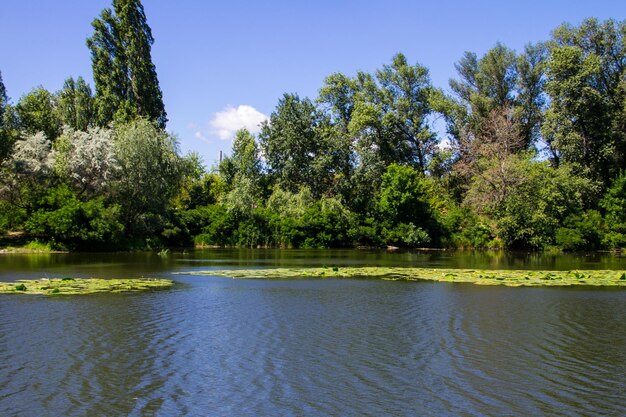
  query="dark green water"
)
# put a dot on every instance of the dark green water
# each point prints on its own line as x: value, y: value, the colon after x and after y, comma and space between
x: 216, y: 346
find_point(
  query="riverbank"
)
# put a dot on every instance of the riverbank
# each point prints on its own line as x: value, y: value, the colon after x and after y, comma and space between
x: 511, y: 278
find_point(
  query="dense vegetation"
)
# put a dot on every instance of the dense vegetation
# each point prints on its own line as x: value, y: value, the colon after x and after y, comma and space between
x: 533, y: 156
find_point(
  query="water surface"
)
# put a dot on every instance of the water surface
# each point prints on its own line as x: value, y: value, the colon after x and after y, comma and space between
x: 216, y: 346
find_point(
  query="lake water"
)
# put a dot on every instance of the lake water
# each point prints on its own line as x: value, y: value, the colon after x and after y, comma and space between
x: 217, y: 346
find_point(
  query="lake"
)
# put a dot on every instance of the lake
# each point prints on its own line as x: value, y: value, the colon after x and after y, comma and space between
x: 218, y: 346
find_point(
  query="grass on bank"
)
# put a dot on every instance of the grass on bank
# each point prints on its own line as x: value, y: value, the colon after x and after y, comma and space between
x: 75, y: 286
x: 512, y: 278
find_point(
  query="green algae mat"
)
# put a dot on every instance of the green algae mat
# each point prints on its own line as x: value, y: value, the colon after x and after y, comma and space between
x: 76, y: 286
x: 512, y: 278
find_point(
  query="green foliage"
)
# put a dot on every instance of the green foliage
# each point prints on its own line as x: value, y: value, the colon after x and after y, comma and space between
x: 285, y: 211
x: 75, y: 104
x: 3, y: 99
x: 11, y: 217
x: 65, y: 219
x: 584, y: 124
x: 358, y: 165
x: 26, y: 175
x: 38, y: 246
x: 86, y: 160
x: 469, y: 231
x: 243, y: 175
x: 583, y: 232
x: 204, y: 190
x: 125, y: 77
x: 9, y: 131
x: 6, y: 141
x: 539, y: 201
x: 215, y: 224
x: 246, y: 159
x: 327, y: 223
x: 404, y: 234
x: 302, y: 148
x: 403, y: 197
x: 614, y: 205
x: 150, y: 175
x: 390, y: 112
x: 498, y: 81
x: 36, y: 112
x: 404, y: 207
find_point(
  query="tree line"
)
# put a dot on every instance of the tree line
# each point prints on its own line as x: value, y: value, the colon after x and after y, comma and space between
x: 532, y: 158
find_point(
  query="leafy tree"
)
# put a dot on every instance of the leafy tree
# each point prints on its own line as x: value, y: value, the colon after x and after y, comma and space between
x: 403, y: 207
x: 206, y: 190
x: 581, y: 232
x: 287, y: 215
x: 125, y: 77
x: 75, y: 104
x: 3, y: 100
x: 150, y: 175
x: 500, y: 81
x: 339, y: 96
x: 36, y: 112
x: 245, y: 161
x: 326, y: 223
x: 585, y: 122
x: 27, y: 173
x: 8, y: 123
x: 243, y: 198
x: 392, y: 115
x: 402, y: 197
x: 217, y: 226
x: 87, y: 161
x: 488, y: 154
x: 243, y: 174
x: 246, y: 154
x: 199, y: 188
x: 301, y: 148
x: 537, y: 200
x: 614, y: 205
x: 383, y: 118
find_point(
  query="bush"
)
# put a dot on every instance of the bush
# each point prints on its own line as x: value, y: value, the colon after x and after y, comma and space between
x: 63, y: 218
x: 614, y: 205
x: 210, y: 225
x: 325, y: 224
x: 583, y: 232
x: 407, y: 235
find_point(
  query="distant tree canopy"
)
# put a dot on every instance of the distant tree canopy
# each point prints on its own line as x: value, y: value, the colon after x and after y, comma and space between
x: 534, y: 155
x: 586, y: 81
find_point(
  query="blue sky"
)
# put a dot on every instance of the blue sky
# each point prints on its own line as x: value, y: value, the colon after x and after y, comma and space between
x: 224, y: 63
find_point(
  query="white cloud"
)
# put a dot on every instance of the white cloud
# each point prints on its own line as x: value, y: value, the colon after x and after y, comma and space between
x: 228, y: 121
x: 200, y: 136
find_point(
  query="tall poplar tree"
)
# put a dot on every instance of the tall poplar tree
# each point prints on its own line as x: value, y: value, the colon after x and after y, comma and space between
x: 5, y: 142
x: 75, y: 104
x: 3, y: 99
x: 125, y: 77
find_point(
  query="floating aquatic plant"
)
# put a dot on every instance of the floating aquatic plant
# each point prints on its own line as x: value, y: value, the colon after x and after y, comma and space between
x: 512, y: 278
x: 74, y: 286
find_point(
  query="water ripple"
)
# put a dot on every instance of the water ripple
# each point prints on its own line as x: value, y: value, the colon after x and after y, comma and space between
x: 344, y: 347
